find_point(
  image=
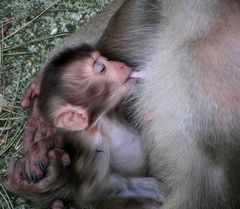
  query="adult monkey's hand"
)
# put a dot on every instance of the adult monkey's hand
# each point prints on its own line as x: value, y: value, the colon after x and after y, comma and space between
x: 36, y: 123
x: 32, y: 92
x: 46, y: 191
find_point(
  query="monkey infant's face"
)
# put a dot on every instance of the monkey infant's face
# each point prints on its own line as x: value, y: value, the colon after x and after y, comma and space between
x: 114, y: 71
x: 97, y: 67
x: 97, y: 83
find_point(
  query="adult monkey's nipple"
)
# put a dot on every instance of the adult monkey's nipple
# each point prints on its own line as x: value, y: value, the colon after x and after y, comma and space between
x: 138, y: 74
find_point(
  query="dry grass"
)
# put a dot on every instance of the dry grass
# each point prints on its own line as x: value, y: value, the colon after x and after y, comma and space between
x: 28, y: 31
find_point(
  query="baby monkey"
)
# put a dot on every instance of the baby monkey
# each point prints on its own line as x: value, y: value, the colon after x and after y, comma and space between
x: 80, y: 90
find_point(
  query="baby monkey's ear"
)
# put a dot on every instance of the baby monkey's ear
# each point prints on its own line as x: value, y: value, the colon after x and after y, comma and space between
x: 73, y: 118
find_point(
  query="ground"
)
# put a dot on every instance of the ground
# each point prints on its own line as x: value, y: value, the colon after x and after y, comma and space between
x: 28, y: 31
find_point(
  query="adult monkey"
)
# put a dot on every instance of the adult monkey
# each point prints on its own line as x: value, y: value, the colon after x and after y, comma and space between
x: 192, y: 92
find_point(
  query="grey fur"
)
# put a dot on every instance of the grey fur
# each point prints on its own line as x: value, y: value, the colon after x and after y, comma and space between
x: 192, y: 55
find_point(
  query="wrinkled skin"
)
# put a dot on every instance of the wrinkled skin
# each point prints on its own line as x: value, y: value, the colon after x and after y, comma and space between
x: 18, y: 182
x: 32, y: 92
x: 40, y: 141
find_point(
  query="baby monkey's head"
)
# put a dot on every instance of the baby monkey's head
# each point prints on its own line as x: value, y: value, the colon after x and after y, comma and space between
x: 80, y: 85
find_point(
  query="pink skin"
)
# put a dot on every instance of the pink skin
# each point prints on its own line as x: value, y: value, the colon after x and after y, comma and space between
x: 149, y: 117
x: 38, y: 142
x: 36, y: 124
x: 36, y: 128
x: 16, y: 179
x: 32, y: 92
x: 38, y: 156
x: 114, y: 71
x: 58, y: 204
x: 99, y: 68
x: 37, y: 133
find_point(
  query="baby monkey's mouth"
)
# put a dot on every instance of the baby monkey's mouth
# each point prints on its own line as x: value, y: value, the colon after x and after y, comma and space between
x: 129, y: 77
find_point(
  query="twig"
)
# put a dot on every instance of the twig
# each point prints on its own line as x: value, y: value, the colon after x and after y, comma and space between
x: 19, y: 53
x: 13, y: 140
x: 8, y: 201
x: 14, y: 118
x: 5, y: 128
